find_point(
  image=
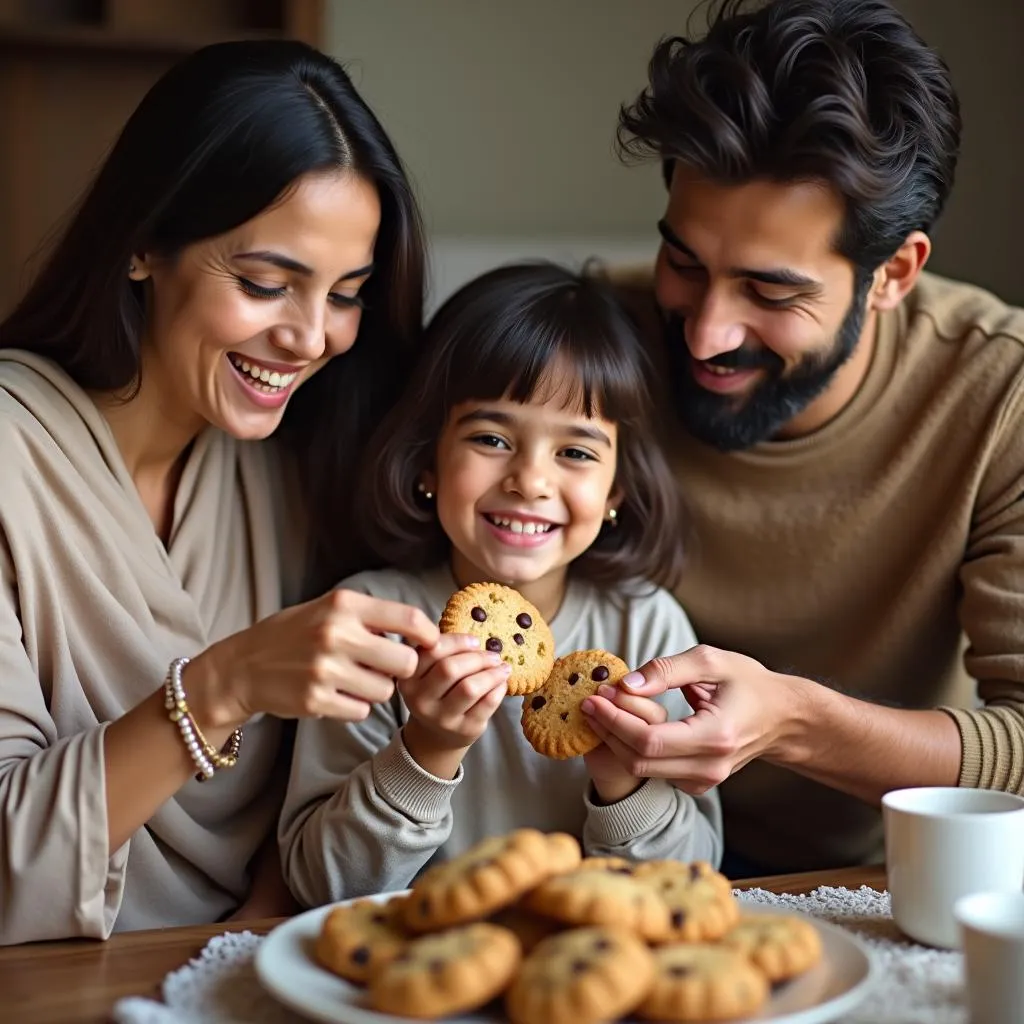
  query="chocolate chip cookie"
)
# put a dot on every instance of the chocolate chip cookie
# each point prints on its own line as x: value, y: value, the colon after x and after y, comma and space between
x: 581, y: 976
x: 552, y: 720
x: 507, y: 624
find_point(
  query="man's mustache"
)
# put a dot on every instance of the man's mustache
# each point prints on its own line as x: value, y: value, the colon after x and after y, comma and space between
x: 737, y: 359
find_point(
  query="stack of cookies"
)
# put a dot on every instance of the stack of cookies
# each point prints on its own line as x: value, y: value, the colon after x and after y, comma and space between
x: 563, y: 939
x: 552, y: 691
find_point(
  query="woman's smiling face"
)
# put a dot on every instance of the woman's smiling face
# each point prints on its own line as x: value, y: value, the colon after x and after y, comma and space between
x: 236, y: 323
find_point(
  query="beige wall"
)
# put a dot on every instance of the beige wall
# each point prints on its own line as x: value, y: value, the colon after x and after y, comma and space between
x: 505, y: 115
x: 979, y: 237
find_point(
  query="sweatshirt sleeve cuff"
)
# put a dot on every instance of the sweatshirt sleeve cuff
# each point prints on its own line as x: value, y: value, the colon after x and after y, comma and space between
x: 414, y: 792
x: 992, y: 739
x: 618, y: 823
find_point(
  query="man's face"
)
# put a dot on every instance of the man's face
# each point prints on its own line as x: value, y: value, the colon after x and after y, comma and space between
x: 761, y: 313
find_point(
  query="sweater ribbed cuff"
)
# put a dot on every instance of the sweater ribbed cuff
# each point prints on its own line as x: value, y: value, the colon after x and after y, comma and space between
x: 635, y: 815
x: 993, y: 746
x: 416, y: 793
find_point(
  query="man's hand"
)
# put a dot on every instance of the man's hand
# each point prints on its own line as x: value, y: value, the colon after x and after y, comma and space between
x: 741, y: 711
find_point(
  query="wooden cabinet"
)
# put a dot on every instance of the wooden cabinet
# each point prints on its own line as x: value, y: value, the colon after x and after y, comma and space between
x: 71, y: 71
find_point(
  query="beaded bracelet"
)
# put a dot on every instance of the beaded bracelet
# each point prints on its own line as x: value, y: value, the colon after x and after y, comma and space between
x: 206, y: 756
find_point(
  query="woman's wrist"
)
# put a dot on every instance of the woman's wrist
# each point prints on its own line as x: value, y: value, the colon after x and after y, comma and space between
x: 213, y: 707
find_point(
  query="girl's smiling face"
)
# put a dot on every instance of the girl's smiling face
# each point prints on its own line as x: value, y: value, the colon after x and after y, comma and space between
x: 522, y: 489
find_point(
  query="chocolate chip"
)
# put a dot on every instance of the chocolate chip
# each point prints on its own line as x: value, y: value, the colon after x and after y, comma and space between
x: 479, y: 615
x: 564, y: 716
x: 678, y: 918
x: 524, y: 620
x: 537, y: 703
x: 579, y: 966
x: 519, y: 638
x: 621, y: 871
x: 679, y: 971
x: 493, y: 644
x: 600, y: 674
x: 403, y: 958
x: 574, y: 678
x: 379, y: 918
x: 438, y: 965
x: 695, y: 872
x: 361, y: 955
x: 601, y: 945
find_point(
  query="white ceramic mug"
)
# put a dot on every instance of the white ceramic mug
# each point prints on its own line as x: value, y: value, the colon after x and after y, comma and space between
x: 942, y: 843
x: 992, y: 932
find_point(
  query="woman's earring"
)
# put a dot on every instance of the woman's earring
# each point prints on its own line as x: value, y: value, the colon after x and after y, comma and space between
x: 427, y: 494
x: 613, y: 517
x: 131, y: 267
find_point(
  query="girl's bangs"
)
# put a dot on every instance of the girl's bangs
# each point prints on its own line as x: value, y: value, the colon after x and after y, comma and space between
x: 523, y: 361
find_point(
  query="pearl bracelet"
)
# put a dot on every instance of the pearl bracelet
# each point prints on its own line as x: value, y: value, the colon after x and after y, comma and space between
x: 207, y: 757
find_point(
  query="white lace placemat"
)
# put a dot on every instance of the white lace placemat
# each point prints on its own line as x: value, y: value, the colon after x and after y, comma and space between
x: 916, y: 985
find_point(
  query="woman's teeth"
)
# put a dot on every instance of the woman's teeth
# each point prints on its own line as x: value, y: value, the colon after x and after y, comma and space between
x: 518, y: 526
x: 719, y: 371
x: 268, y: 381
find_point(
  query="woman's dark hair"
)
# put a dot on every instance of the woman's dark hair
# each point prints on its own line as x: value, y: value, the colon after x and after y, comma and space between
x: 498, y: 337
x: 218, y: 139
x: 839, y: 91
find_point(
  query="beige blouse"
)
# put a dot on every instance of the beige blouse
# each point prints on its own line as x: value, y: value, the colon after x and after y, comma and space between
x: 92, y: 609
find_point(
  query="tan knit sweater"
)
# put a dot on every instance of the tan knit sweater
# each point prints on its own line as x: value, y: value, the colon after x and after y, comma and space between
x: 883, y: 556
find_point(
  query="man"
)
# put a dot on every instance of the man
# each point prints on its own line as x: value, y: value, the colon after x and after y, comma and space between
x: 851, y: 437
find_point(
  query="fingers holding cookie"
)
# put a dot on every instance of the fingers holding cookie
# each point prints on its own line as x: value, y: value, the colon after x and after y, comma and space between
x: 644, y: 708
x: 453, y: 684
x: 450, y: 703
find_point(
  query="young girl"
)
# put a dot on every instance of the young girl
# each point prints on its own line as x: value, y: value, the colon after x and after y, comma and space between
x: 524, y: 454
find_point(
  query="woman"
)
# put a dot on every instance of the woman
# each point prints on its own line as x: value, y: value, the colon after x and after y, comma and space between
x: 247, y: 263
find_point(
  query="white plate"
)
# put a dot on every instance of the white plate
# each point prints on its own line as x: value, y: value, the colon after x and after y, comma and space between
x: 287, y: 969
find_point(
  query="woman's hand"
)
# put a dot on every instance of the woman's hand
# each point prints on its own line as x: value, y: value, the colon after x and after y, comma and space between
x: 326, y: 658
x: 456, y: 689
x: 613, y: 778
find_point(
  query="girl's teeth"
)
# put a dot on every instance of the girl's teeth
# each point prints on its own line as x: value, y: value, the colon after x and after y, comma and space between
x: 518, y: 526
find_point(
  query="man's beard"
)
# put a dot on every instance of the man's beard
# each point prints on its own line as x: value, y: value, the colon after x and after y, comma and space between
x: 731, y: 423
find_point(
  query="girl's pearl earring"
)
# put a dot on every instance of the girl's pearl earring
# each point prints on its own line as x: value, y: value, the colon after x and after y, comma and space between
x: 422, y: 488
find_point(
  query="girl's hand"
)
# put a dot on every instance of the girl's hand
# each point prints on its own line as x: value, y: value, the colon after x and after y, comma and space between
x: 456, y: 689
x: 613, y: 780
x: 326, y: 657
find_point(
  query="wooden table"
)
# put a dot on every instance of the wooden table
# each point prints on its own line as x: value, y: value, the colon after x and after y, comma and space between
x: 78, y: 981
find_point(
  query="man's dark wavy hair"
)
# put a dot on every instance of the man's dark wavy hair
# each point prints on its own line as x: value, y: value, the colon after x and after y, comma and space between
x: 837, y: 91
